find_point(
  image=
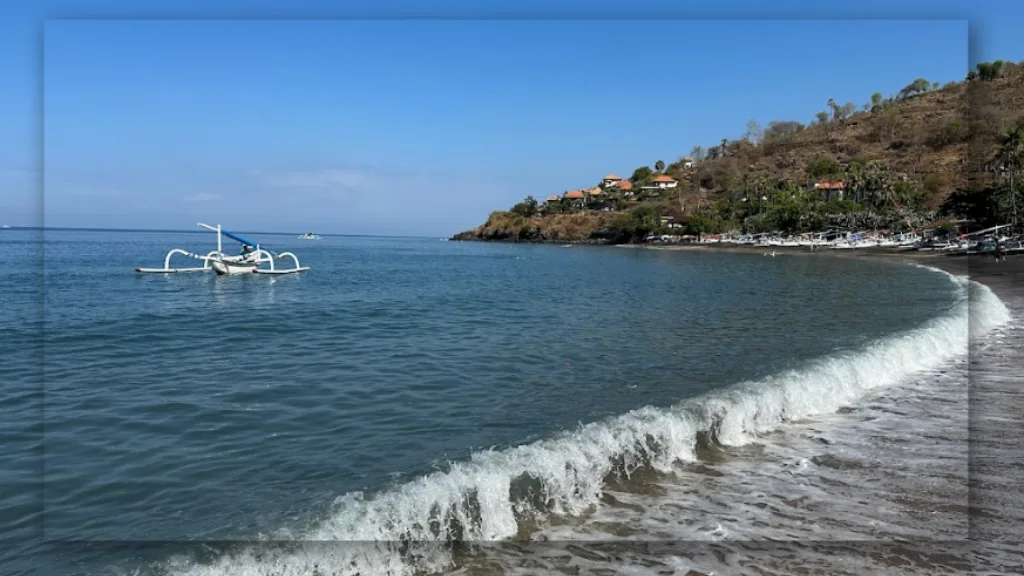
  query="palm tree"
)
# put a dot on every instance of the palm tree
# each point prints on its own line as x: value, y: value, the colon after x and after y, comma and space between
x: 1010, y: 158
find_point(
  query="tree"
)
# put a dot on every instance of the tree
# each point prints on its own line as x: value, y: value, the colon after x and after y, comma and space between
x: 876, y: 101
x: 659, y: 166
x: 834, y: 108
x: 889, y: 122
x: 919, y: 86
x: 781, y: 129
x: 634, y: 226
x: 641, y: 174
x: 1009, y: 160
x: 988, y: 71
x: 979, y: 206
x: 527, y: 207
x: 847, y: 110
x: 823, y: 167
x: 753, y: 134
x: 698, y: 154
x: 822, y: 117
x: 779, y: 135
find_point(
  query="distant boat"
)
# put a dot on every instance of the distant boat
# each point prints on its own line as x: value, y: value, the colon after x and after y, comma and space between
x: 309, y: 236
x: 5, y: 226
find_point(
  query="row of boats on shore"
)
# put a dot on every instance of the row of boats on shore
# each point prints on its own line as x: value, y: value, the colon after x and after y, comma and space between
x: 980, y: 242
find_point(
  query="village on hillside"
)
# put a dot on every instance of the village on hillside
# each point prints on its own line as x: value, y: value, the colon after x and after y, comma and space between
x: 617, y: 194
x: 901, y: 164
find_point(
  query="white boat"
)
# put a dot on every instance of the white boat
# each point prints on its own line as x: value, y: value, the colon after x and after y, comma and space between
x: 5, y: 226
x: 309, y: 236
x: 254, y: 258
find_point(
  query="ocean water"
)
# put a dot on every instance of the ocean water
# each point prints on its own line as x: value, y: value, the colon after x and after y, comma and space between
x: 416, y: 406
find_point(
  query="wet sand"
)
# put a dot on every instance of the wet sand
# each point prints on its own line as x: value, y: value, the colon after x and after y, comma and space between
x: 1005, y: 278
x: 994, y: 542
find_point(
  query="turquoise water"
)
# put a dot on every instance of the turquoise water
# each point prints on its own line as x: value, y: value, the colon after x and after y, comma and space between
x: 156, y: 408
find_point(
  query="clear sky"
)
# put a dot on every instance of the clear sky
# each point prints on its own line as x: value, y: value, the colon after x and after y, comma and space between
x: 420, y: 127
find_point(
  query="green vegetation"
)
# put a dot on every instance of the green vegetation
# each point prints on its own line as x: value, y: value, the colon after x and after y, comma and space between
x: 902, y: 162
x: 986, y: 71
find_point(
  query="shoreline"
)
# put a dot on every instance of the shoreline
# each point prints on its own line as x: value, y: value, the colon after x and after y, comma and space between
x: 1005, y: 278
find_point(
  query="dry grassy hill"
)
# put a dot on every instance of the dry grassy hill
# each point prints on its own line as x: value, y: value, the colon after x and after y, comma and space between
x: 939, y: 139
x: 935, y: 138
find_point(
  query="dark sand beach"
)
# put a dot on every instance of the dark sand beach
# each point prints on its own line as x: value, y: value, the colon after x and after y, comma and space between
x: 995, y: 415
x: 1004, y: 278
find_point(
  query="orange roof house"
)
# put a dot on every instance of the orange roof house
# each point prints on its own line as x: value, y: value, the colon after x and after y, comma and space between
x: 625, y: 185
x: 596, y: 191
x: 552, y: 198
x: 828, y: 188
x: 574, y: 194
x: 610, y: 180
x: 662, y: 181
x: 826, y: 185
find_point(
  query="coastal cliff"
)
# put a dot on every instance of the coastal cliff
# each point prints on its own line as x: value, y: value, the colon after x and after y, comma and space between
x: 554, y: 228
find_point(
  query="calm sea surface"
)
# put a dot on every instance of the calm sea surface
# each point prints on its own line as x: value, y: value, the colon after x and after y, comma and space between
x: 412, y: 389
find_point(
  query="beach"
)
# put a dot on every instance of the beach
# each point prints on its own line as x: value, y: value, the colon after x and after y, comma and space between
x: 986, y: 498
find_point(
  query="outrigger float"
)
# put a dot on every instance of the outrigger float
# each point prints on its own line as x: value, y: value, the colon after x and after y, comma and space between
x: 250, y: 261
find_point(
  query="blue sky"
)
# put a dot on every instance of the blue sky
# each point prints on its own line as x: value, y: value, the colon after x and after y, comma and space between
x: 420, y: 127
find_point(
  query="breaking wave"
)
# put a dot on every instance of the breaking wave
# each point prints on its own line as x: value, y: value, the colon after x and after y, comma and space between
x: 411, y: 528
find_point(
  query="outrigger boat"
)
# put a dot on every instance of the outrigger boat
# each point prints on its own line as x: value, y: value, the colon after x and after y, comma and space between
x: 309, y: 236
x: 250, y: 261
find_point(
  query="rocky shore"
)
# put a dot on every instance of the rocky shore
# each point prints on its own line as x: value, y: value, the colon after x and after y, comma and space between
x: 579, y: 228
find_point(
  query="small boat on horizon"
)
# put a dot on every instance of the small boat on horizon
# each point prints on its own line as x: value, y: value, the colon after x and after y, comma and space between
x: 309, y: 236
x: 5, y: 226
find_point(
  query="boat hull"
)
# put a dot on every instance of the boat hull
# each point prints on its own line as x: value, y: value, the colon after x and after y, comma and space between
x: 223, y: 268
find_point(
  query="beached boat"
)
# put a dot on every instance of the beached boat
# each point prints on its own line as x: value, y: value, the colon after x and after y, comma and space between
x: 253, y: 259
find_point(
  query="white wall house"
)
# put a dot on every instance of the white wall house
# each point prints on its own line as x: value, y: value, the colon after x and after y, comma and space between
x: 664, y: 182
x: 610, y: 180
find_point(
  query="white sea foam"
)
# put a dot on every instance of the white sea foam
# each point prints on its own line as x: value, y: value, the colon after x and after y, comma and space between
x: 487, y: 497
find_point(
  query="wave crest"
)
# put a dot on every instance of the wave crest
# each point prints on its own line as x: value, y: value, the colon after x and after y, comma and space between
x: 409, y: 529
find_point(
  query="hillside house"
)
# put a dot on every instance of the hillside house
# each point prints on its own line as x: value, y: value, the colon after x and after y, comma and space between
x: 610, y: 181
x: 661, y: 182
x: 830, y: 190
x: 670, y: 222
x: 576, y: 197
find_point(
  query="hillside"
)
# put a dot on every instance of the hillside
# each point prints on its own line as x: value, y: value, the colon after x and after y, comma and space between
x: 900, y: 158
x: 937, y: 138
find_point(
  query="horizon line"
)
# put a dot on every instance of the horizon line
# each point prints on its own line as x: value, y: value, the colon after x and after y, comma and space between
x: 180, y: 231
